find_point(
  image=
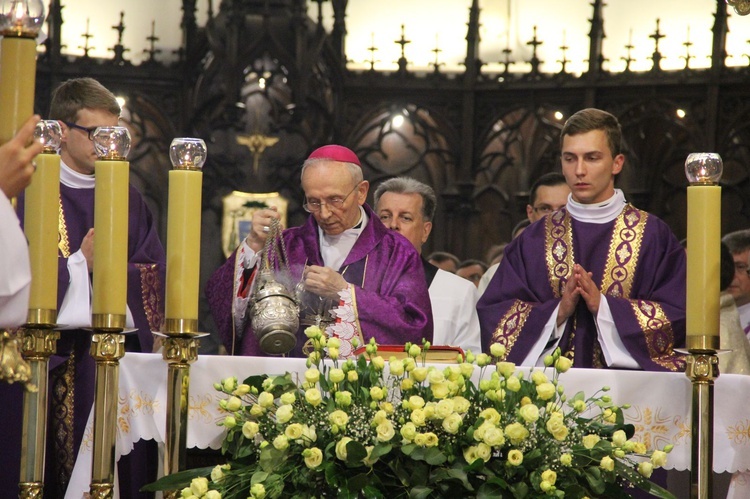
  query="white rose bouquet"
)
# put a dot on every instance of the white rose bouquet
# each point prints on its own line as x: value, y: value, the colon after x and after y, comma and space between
x: 361, y: 429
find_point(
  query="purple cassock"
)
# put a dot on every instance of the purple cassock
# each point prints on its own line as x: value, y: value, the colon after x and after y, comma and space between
x: 636, y: 262
x: 72, y: 369
x: 387, y: 298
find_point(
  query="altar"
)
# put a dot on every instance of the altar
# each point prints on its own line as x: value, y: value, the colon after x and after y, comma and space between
x: 660, y: 408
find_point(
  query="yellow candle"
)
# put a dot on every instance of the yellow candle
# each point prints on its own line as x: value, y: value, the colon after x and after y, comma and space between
x: 41, y: 213
x: 703, y: 261
x: 17, y: 80
x: 183, y: 244
x: 110, y: 238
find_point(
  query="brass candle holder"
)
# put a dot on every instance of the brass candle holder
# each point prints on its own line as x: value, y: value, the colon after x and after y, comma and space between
x: 107, y: 348
x: 703, y: 171
x: 110, y: 297
x: 183, y: 263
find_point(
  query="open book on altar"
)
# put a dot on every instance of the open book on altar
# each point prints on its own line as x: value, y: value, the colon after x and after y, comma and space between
x: 436, y: 353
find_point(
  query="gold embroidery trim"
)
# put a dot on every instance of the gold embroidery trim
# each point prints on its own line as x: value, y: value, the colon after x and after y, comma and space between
x: 62, y: 228
x: 624, y: 250
x: 658, y: 332
x: 511, y: 325
x: 558, y: 250
x: 150, y: 294
x: 360, y: 335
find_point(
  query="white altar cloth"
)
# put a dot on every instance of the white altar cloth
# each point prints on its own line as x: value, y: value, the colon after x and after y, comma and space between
x: 660, y: 407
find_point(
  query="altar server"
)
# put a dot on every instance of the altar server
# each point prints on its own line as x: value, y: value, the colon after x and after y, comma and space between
x: 599, y: 278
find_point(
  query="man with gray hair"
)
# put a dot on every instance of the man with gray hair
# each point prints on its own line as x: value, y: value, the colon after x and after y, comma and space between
x: 738, y: 243
x: 362, y: 280
x: 407, y: 206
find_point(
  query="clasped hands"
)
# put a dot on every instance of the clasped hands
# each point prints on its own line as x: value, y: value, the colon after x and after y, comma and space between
x: 321, y: 281
x: 579, y: 285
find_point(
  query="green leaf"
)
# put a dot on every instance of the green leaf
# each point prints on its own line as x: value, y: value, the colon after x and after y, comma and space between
x: 520, y: 490
x: 380, y: 450
x: 355, y: 453
x: 420, y: 492
x: 259, y: 477
x: 177, y: 480
x: 594, y: 478
x: 490, y: 491
x: 434, y: 456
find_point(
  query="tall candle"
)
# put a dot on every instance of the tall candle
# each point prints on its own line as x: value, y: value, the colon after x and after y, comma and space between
x: 110, y: 237
x: 183, y: 244
x: 703, y: 170
x: 184, y: 234
x: 703, y: 260
x: 17, y: 80
x: 41, y: 215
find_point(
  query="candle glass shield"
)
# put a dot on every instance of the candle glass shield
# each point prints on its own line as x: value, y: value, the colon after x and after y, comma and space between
x: 703, y: 168
x: 187, y: 153
x: 49, y: 134
x: 275, y: 310
x: 112, y: 142
x: 21, y: 18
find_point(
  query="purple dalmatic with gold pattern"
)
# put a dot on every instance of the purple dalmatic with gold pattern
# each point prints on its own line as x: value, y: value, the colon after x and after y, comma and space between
x: 72, y: 369
x: 387, y: 297
x: 638, y: 265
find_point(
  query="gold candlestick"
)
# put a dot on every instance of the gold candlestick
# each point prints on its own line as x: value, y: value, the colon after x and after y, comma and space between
x: 110, y: 296
x: 39, y: 336
x: 703, y: 171
x: 183, y: 263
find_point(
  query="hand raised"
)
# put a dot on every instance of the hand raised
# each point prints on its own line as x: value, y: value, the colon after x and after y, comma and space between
x: 262, y: 220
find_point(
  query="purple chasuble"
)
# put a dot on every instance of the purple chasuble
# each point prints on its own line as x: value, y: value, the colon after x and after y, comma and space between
x: 638, y: 265
x: 391, y: 301
x: 72, y: 369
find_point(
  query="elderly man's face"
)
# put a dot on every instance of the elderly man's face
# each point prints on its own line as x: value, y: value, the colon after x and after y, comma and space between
x: 330, y: 184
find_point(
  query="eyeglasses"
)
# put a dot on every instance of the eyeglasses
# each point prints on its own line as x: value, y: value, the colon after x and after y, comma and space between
x: 89, y: 131
x: 741, y: 268
x: 544, y: 209
x: 336, y: 202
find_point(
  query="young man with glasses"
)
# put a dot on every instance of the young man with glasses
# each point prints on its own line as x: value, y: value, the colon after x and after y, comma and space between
x: 738, y: 243
x: 599, y: 278
x: 81, y: 105
x: 371, y: 277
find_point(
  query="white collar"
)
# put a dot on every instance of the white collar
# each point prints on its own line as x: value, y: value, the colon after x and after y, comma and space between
x: 72, y: 178
x: 598, y: 213
x: 335, y: 249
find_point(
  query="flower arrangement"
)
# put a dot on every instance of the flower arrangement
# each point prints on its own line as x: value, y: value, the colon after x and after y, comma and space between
x: 355, y: 428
